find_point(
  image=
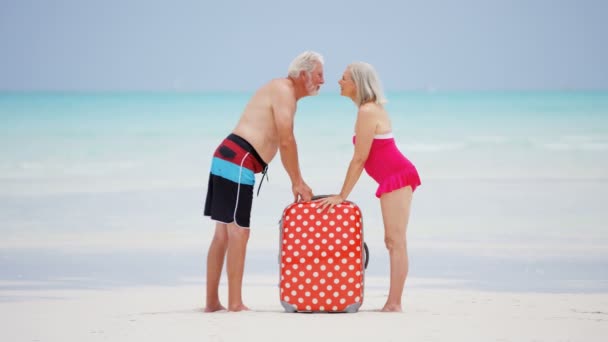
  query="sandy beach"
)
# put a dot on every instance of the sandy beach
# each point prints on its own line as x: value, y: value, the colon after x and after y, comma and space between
x: 174, y: 313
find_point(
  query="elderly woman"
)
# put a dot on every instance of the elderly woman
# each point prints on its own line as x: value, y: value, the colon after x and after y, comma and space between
x: 377, y: 153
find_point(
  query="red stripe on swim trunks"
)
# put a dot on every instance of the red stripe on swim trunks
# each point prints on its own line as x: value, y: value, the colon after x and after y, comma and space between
x: 238, y: 158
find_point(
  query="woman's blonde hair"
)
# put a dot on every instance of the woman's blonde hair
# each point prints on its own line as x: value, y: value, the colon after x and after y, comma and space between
x: 369, y: 88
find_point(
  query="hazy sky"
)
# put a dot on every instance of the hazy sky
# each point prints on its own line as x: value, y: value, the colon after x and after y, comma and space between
x: 237, y: 45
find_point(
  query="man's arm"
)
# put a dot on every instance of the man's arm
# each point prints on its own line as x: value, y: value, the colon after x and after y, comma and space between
x: 284, y: 110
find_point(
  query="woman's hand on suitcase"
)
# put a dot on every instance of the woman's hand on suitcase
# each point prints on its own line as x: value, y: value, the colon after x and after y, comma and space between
x: 329, y: 201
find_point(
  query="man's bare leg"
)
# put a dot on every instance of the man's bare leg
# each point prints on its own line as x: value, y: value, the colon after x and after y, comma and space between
x: 215, y: 263
x: 235, y: 265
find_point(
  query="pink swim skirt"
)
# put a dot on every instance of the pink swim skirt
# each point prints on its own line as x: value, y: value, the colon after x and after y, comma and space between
x: 390, y: 168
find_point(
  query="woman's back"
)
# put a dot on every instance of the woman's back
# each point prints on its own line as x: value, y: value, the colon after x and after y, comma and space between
x: 383, y: 122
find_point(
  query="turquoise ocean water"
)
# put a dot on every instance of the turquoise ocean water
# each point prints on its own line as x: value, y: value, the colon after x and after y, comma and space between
x: 107, y: 189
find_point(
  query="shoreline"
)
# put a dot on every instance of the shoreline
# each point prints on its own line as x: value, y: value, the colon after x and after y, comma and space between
x: 437, y: 268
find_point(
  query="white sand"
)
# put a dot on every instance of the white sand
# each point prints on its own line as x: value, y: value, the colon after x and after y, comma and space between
x: 174, y: 314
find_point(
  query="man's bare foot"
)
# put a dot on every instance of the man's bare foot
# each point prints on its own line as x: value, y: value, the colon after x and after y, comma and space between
x: 392, y: 308
x: 237, y: 308
x: 214, y: 308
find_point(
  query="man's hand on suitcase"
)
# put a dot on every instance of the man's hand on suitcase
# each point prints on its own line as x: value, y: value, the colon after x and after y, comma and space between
x: 329, y: 201
x: 301, y: 192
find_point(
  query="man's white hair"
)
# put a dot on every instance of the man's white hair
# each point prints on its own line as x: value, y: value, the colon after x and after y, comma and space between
x: 306, y: 61
x: 367, y: 82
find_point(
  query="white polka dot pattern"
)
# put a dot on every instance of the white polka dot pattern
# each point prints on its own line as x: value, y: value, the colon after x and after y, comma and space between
x: 321, y: 257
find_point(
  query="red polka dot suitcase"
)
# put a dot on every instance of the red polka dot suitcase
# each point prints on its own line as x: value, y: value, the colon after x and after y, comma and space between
x: 322, y: 258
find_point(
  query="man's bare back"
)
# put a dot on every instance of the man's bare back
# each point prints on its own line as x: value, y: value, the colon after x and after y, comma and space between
x: 257, y: 123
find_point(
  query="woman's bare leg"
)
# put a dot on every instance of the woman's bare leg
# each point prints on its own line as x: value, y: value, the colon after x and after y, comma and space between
x: 395, y: 214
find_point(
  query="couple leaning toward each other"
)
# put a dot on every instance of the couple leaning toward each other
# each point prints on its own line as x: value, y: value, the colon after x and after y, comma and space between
x: 266, y: 127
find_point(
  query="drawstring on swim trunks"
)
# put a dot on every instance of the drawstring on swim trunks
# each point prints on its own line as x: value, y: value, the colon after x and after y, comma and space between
x: 264, y: 174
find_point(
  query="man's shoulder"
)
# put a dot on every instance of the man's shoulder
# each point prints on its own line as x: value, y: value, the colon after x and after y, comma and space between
x: 281, y: 84
x: 281, y: 89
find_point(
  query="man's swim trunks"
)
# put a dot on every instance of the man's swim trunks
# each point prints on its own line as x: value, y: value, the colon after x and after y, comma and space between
x: 231, y: 180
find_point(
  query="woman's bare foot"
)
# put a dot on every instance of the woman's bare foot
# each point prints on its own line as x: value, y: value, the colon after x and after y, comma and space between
x: 214, y: 308
x: 237, y: 308
x: 392, y: 308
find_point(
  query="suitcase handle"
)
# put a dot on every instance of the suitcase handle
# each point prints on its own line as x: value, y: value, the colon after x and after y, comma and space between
x: 365, y: 255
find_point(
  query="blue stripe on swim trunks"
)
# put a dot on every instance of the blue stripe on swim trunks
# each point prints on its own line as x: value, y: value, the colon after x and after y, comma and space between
x: 230, y: 171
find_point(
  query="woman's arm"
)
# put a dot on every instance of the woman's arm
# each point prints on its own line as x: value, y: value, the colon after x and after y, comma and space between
x: 365, y: 129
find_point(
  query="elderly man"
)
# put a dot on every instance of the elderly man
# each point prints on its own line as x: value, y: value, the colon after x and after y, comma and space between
x: 265, y: 127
